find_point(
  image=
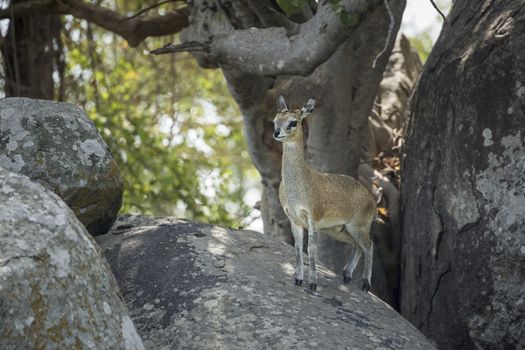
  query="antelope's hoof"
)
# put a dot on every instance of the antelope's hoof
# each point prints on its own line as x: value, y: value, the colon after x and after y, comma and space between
x: 298, y: 282
x: 346, y: 278
x: 313, y: 286
x: 366, y: 285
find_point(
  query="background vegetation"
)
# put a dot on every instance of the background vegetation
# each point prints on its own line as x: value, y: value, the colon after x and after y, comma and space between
x: 174, y: 129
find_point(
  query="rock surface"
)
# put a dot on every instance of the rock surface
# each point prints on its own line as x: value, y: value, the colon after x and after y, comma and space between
x: 197, y: 286
x: 56, y: 291
x: 463, y: 200
x: 56, y: 145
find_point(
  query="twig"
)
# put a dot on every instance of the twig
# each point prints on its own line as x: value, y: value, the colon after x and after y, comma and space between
x: 93, y: 64
x: 184, y: 47
x: 147, y: 9
x: 61, y: 65
x: 389, y: 35
x: 438, y: 10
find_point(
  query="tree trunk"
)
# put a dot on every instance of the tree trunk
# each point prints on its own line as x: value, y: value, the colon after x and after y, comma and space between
x: 30, y: 49
x: 463, y: 193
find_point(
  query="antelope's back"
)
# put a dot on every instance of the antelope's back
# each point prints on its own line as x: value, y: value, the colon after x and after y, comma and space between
x: 344, y: 196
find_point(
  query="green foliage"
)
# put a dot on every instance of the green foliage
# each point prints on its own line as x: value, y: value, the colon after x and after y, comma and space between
x: 291, y: 7
x: 173, y: 128
x: 423, y: 38
x: 423, y: 43
x: 348, y: 19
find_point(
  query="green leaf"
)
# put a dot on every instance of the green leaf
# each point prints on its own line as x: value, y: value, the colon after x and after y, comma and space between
x: 291, y: 7
x: 348, y: 19
x: 423, y: 43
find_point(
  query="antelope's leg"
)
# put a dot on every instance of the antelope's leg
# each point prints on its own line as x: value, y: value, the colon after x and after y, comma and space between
x: 313, y: 233
x: 367, y: 270
x: 361, y: 236
x: 298, y: 234
x: 352, y: 263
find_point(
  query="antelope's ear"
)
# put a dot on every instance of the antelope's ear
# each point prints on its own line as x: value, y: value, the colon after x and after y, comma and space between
x: 281, y: 103
x: 307, y: 108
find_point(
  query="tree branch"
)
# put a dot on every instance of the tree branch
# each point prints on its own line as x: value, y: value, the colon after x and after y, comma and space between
x: 438, y: 10
x: 389, y: 35
x: 272, y: 52
x: 189, y: 46
x: 134, y: 30
x: 149, y: 8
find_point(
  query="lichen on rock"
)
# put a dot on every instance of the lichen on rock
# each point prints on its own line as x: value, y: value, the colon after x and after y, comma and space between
x: 56, y: 291
x: 502, y: 186
x: 55, y: 144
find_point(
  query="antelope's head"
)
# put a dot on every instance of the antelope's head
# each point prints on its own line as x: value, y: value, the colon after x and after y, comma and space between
x: 287, y: 123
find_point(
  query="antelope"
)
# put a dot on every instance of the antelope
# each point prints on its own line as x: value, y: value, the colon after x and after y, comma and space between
x: 339, y: 204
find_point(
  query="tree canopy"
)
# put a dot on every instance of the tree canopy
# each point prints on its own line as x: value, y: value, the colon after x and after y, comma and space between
x: 172, y: 127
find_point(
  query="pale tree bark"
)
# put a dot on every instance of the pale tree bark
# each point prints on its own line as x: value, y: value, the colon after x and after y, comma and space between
x: 463, y: 193
x: 274, y: 51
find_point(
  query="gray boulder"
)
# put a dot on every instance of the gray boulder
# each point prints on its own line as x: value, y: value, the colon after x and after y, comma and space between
x: 195, y: 286
x: 55, y: 144
x: 56, y: 291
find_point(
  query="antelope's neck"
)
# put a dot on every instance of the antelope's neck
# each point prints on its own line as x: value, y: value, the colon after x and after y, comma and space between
x: 293, y: 166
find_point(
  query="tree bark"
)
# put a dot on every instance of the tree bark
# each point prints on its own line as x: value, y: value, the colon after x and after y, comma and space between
x: 31, y: 50
x: 462, y: 190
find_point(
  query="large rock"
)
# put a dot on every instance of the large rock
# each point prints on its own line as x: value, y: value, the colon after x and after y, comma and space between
x: 56, y: 291
x: 463, y: 200
x: 194, y: 286
x: 56, y: 145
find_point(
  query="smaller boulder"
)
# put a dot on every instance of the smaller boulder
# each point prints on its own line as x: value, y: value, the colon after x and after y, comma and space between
x: 56, y: 291
x: 56, y: 145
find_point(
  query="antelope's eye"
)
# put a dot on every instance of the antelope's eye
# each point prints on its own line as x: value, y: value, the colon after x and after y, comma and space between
x: 292, y: 124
